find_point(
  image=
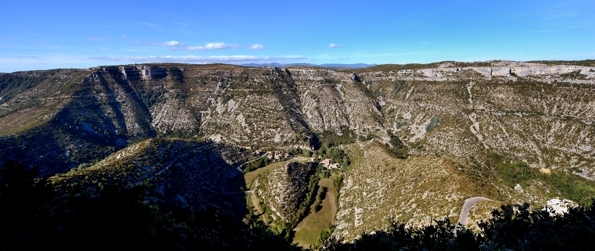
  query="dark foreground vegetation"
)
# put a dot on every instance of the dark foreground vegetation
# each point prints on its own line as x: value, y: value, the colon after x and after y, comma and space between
x: 511, y: 228
x: 35, y: 217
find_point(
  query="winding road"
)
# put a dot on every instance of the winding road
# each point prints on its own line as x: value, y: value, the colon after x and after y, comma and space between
x: 467, y: 206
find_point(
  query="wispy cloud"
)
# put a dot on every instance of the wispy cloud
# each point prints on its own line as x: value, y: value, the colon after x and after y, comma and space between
x: 342, y: 59
x: 181, y: 23
x: 132, y: 50
x: 545, y: 31
x: 176, y: 45
x: 233, y: 59
x: 96, y: 39
x: 154, y: 26
x: 183, y: 27
x: 334, y: 46
x: 27, y: 58
x: 209, y: 46
x: 256, y: 47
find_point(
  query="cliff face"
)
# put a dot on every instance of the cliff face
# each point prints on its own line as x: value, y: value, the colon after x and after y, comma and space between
x: 539, y: 113
x: 543, y: 118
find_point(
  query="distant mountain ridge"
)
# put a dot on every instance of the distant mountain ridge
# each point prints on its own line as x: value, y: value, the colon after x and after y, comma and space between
x: 337, y: 66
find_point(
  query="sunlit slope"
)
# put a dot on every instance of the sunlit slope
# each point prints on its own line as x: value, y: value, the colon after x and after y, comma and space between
x: 378, y: 188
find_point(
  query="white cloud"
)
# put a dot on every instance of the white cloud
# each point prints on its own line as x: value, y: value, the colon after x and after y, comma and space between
x: 257, y: 47
x: 208, y: 47
x: 172, y: 43
x: 96, y: 39
x: 333, y: 45
x: 233, y: 59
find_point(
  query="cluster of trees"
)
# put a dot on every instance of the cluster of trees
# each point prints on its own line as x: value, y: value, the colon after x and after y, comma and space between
x: 330, y: 138
x: 149, y: 97
x: 300, y: 151
x: 335, y: 154
x: 568, y: 184
x: 326, y: 151
x: 19, y: 81
x: 261, y: 162
x: 396, y: 147
x: 311, y: 196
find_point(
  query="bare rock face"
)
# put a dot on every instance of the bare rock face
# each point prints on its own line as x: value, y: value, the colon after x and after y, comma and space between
x: 499, y: 72
x: 328, y: 101
x: 527, y: 116
x: 559, y: 207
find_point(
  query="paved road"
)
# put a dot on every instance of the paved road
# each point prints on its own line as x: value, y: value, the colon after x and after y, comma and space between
x: 467, y: 206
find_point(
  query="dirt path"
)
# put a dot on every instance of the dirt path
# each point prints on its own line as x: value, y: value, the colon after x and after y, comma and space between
x: 254, y: 198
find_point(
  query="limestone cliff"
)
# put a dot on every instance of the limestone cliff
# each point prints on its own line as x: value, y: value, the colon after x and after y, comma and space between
x: 540, y: 113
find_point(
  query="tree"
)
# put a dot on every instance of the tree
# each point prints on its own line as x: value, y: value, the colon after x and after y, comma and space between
x: 20, y: 198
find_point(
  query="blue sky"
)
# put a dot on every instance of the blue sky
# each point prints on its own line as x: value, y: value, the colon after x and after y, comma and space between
x: 80, y: 34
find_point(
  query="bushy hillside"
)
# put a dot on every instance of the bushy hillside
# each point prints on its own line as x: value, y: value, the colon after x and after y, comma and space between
x: 185, y: 174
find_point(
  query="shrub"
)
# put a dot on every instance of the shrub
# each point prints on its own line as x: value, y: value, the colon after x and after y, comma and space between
x: 434, y: 122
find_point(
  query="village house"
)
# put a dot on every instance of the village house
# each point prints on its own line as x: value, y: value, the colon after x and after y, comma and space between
x: 278, y: 155
x: 327, y: 163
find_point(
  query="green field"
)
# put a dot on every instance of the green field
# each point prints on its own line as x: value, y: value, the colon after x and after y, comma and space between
x: 309, y: 229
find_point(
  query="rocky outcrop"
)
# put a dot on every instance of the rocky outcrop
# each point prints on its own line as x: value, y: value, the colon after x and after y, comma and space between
x: 559, y: 207
x: 500, y: 71
x: 138, y: 72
